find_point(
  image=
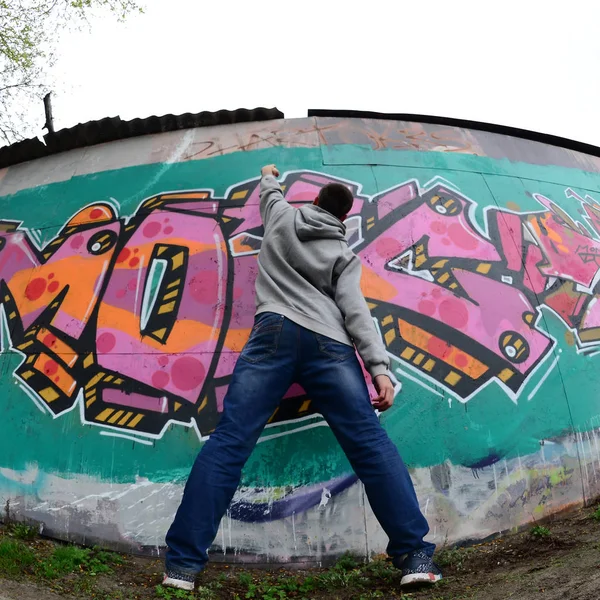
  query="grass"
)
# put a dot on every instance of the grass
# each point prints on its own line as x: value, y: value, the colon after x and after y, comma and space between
x: 92, y: 573
x: 539, y: 531
x: 15, y: 557
x: 72, y: 559
x: 174, y: 594
x: 454, y: 557
x: 22, y: 531
x: 348, y: 573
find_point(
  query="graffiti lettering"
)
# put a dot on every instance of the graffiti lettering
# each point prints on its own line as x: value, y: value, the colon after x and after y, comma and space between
x: 141, y: 319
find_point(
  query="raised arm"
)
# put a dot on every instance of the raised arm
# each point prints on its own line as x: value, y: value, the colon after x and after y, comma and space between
x: 271, y: 195
x: 360, y: 326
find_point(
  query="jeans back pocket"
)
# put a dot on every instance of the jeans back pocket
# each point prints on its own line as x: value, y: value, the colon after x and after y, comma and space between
x: 333, y: 349
x: 264, y: 338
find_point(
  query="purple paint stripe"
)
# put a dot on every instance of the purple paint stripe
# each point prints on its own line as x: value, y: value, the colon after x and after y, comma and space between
x: 134, y: 400
x: 296, y: 502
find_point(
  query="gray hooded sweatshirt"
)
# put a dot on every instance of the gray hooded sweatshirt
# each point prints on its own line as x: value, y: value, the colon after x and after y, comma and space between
x: 307, y: 273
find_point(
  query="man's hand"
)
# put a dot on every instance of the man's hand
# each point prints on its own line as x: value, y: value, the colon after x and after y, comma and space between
x: 385, y: 389
x: 269, y: 170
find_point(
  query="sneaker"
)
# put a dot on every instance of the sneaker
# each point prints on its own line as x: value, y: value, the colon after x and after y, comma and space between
x: 418, y: 568
x: 181, y: 581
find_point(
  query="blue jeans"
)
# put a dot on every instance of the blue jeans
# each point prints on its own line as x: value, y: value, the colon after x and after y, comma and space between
x: 278, y: 354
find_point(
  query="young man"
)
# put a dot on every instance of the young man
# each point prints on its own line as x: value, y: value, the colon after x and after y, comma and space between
x: 310, y: 316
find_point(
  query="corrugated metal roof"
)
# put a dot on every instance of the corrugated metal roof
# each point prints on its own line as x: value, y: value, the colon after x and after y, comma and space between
x: 114, y: 128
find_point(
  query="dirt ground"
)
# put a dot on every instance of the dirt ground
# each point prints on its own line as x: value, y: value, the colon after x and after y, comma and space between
x: 559, y: 559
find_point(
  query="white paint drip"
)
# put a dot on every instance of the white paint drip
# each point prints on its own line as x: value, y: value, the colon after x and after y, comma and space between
x: 579, y: 437
x: 520, y: 464
x: 229, y: 528
x: 294, y: 530
x: 595, y: 436
x: 495, y: 478
x: 589, y: 437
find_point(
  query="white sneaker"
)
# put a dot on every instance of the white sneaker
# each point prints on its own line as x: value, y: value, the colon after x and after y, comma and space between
x: 179, y: 580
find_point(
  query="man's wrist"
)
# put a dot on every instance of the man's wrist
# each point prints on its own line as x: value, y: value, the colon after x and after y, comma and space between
x: 379, y: 370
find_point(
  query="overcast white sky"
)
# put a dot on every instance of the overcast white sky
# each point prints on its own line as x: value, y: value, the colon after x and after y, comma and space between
x: 527, y: 63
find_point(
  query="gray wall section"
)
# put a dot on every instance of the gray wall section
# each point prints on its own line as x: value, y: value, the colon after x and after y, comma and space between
x: 461, y: 505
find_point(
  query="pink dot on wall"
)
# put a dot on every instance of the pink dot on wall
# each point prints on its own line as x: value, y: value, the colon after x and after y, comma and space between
x: 187, y: 373
x: 461, y: 237
x: 151, y: 229
x: 35, y: 288
x: 427, y: 307
x: 168, y: 230
x: 105, y: 342
x: 120, y: 293
x: 132, y: 285
x: 163, y: 360
x: 438, y: 227
x: 76, y: 241
x: 204, y: 287
x: 388, y: 248
x: 160, y: 379
x: 454, y: 313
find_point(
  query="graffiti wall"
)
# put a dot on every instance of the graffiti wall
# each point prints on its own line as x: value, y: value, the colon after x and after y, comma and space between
x: 127, y: 293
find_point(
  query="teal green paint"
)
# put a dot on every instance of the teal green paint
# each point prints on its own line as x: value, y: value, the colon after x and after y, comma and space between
x: 427, y: 428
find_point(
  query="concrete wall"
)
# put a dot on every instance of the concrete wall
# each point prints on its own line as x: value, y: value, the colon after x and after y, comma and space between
x: 127, y: 275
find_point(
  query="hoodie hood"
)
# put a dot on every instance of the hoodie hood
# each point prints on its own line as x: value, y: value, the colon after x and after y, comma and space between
x: 313, y: 223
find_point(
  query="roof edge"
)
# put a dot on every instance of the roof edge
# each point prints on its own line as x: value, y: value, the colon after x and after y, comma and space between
x: 112, y: 129
x: 526, y: 134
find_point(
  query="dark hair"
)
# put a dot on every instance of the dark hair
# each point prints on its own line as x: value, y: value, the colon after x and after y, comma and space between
x: 336, y: 199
